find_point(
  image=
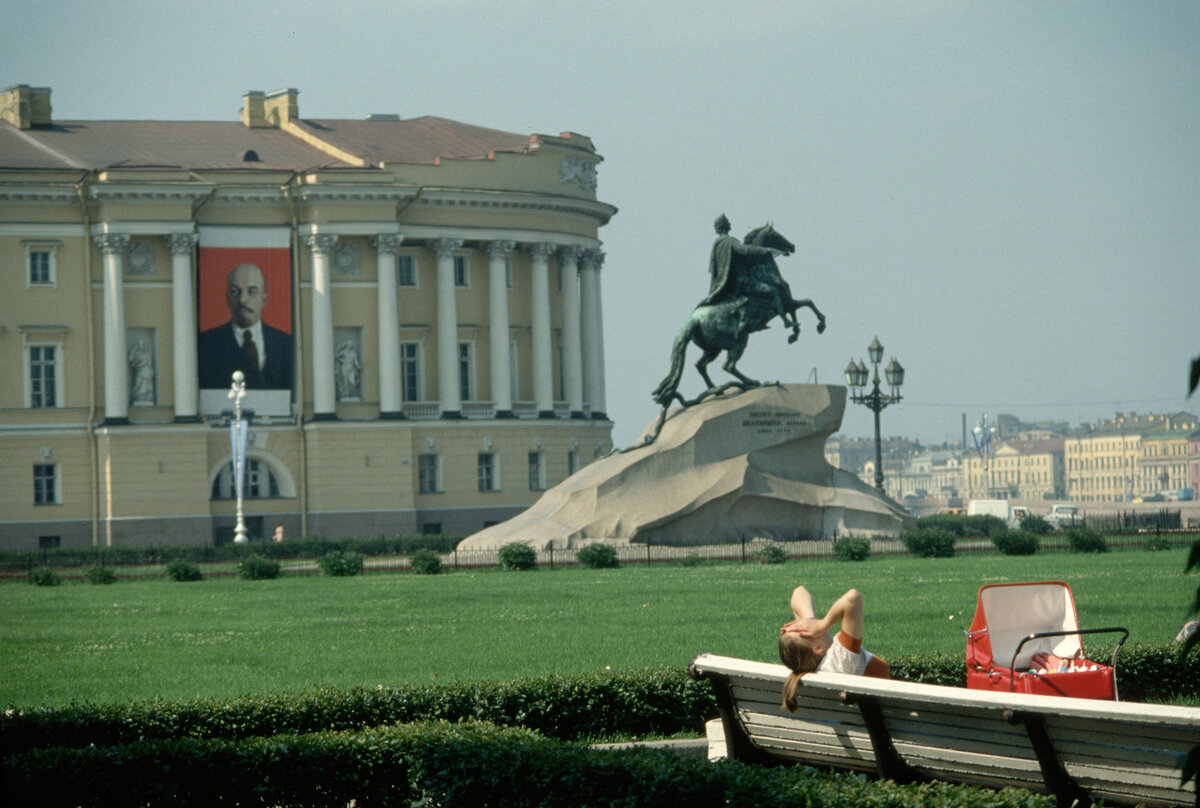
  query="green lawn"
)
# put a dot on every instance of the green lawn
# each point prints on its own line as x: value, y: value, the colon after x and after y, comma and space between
x: 140, y: 640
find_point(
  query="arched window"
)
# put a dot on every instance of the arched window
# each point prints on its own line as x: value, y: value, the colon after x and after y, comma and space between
x: 259, y: 483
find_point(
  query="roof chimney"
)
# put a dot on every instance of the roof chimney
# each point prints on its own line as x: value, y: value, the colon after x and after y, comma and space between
x: 281, y: 107
x: 24, y: 106
x: 253, y: 115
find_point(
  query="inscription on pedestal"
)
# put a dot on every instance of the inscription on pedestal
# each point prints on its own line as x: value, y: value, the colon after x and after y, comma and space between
x: 776, y: 422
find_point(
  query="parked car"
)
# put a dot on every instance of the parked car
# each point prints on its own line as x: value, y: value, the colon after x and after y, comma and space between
x: 1064, y: 516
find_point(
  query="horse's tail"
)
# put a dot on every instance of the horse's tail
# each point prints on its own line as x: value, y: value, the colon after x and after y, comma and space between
x: 665, y: 392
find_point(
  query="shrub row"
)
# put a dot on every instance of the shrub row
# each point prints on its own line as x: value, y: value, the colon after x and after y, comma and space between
x: 634, y: 704
x: 313, y: 547
x: 591, y: 706
x: 467, y: 764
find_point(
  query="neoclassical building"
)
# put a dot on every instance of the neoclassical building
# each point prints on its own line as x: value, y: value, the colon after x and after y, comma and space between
x: 416, y: 305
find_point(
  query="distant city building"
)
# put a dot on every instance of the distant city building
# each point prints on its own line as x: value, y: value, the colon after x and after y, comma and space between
x: 416, y: 305
x: 1105, y: 462
x: 1017, y: 469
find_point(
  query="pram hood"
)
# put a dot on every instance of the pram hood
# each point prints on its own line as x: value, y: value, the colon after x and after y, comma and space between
x: 1007, y: 613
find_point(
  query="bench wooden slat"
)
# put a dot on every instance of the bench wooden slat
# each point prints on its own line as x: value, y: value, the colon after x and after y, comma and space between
x: 1123, y: 752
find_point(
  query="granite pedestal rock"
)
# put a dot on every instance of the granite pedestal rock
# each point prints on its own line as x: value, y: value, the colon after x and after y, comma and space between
x: 744, y: 464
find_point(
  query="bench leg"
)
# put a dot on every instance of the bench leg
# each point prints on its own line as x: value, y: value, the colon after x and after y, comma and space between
x: 891, y: 766
x: 1061, y: 784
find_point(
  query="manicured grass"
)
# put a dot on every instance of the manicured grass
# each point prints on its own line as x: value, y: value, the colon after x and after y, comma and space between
x: 140, y: 640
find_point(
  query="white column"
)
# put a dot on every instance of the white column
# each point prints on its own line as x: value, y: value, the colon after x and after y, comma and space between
x: 543, y: 374
x: 324, y: 392
x: 568, y: 265
x: 447, y: 328
x: 116, y: 367
x: 592, y: 332
x: 498, y: 326
x: 183, y: 323
x: 390, y: 403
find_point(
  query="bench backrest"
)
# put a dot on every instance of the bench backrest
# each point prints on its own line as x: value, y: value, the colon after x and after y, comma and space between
x: 1124, y: 752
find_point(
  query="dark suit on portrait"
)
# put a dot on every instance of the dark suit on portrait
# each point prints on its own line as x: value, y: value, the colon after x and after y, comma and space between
x: 220, y: 355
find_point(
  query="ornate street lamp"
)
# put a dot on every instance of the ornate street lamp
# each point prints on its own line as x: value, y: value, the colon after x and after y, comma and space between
x: 982, y: 435
x: 237, y: 433
x: 876, y: 400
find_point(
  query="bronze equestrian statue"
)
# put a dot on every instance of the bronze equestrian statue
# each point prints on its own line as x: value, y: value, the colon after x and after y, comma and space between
x: 746, y: 292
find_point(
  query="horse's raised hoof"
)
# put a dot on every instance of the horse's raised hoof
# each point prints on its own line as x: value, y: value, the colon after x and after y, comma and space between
x: 794, y: 336
x: 821, y: 327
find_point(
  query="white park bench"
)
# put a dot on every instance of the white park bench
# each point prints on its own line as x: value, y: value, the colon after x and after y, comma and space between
x: 1077, y: 749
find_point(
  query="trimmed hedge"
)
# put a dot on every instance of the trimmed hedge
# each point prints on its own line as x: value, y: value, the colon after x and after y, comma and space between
x: 467, y: 764
x: 598, y: 557
x: 1016, y: 542
x: 340, y: 564
x: 851, y: 549
x: 660, y: 702
x: 929, y: 542
x: 516, y: 556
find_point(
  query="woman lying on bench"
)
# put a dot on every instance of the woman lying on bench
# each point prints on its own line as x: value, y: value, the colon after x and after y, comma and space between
x: 806, y: 645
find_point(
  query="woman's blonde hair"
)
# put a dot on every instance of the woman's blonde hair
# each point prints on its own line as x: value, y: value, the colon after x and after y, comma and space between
x: 797, y: 653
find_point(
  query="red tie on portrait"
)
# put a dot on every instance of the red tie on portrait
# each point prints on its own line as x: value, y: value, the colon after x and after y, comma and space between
x: 250, y: 348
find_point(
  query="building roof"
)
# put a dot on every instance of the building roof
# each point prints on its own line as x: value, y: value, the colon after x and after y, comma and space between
x: 416, y: 140
x: 216, y: 145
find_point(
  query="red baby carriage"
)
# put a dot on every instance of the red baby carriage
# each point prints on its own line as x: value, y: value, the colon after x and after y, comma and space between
x: 1015, y: 621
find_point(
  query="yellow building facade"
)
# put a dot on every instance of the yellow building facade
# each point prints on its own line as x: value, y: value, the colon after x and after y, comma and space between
x: 427, y: 345
x: 1122, y: 459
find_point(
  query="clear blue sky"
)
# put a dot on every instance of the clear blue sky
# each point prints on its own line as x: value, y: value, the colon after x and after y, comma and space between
x: 1008, y: 194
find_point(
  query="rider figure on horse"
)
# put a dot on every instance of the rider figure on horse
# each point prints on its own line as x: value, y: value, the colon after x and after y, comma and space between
x: 728, y: 267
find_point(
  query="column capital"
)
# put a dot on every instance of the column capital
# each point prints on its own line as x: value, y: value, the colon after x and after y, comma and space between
x: 112, y: 243
x: 321, y: 242
x: 445, y: 247
x: 181, y: 243
x: 500, y: 248
x: 593, y: 259
x: 570, y: 254
x: 540, y: 250
x: 387, y: 242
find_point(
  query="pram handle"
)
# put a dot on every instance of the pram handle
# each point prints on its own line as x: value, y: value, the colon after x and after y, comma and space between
x: 1079, y: 631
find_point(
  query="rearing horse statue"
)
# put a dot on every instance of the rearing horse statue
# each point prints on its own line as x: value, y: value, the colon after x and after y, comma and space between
x: 743, y: 304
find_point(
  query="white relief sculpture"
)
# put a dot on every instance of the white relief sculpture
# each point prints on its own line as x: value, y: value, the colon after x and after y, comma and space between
x: 579, y: 171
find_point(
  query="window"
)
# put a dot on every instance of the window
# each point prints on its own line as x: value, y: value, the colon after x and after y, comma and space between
x: 461, y: 278
x: 41, y: 264
x: 43, y: 376
x: 410, y: 370
x: 572, y: 462
x: 537, y: 472
x: 487, y: 472
x: 431, y: 529
x: 508, y: 272
x: 49, y: 542
x: 466, y: 388
x: 45, y: 484
x: 429, y: 477
x: 406, y: 271
x: 259, y: 482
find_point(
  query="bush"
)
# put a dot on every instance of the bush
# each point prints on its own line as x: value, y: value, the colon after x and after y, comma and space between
x: 257, y: 568
x: 426, y: 562
x: 1016, y: 542
x: 691, y: 560
x: 1158, y: 543
x: 771, y: 554
x: 518, y: 556
x: 44, y: 576
x: 598, y: 557
x: 180, y: 570
x: 1036, y: 524
x: 850, y: 549
x: 930, y: 542
x: 100, y: 574
x: 337, y: 563
x: 1086, y: 540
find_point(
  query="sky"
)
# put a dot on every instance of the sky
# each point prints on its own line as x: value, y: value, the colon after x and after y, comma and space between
x: 1007, y: 194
